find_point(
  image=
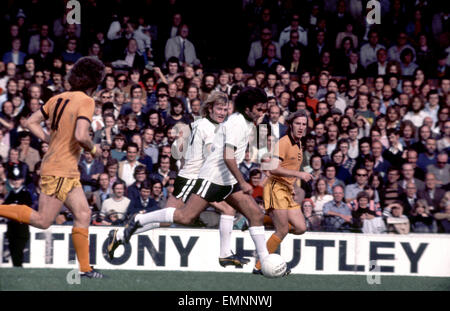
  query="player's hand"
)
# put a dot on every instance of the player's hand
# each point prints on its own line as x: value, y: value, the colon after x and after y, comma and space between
x: 305, y: 176
x: 246, y: 188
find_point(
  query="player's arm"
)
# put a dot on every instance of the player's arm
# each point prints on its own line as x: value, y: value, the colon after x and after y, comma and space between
x: 83, y: 138
x: 34, y: 125
x: 284, y: 172
x: 230, y: 162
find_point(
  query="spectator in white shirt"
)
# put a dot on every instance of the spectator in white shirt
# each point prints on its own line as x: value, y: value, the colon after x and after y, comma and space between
x: 115, y: 208
x: 368, y: 53
x: 286, y: 33
x: 127, y: 167
x: 417, y: 114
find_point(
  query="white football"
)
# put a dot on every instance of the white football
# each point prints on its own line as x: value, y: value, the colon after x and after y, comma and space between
x: 273, y: 266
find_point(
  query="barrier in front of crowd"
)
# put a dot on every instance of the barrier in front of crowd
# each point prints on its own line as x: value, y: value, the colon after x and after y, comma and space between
x: 189, y: 249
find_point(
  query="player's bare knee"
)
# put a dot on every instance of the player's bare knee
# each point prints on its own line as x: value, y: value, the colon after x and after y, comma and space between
x: 44, y: 224
x: 186, y: 220
x: 182, y: 218
x: 300, y: 230
x: 256, y: 219
x: 83, y: 215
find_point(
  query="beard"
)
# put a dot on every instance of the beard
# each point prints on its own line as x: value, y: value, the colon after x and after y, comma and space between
x: 207, y: 89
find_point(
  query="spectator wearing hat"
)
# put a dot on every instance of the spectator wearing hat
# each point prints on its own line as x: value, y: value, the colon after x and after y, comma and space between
x: 17, y: 233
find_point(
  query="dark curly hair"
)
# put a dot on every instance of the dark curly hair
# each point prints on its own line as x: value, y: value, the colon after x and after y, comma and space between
x: 249, y: 97
x: 87, y: 73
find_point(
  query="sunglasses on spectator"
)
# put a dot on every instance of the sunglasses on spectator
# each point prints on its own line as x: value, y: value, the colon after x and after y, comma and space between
x: 122, y: 80
x: 361, y: 175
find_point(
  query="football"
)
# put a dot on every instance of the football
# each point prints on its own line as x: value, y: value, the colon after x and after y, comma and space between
x: 273, y: 266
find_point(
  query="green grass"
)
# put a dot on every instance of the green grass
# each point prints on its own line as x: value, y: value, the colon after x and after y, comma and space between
x: 125, y: 280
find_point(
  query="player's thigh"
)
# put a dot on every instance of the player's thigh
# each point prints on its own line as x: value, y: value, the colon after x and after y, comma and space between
x: 77, y: 203
x: 247, y: 206
x: 172, y: 201
x: 191, y: 210
x: 280, y: 220
x: 224, y: 208
x: 49, y: 208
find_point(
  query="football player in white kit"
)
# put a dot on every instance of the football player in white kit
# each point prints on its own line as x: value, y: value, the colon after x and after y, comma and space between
x: 197, y: 147
x: 219, y: 178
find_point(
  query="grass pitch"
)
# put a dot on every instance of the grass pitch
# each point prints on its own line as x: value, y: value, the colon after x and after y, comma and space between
x: 18, y: 279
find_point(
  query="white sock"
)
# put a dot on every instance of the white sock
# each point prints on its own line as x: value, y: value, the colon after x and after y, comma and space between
x: 147, y: 227
x: 258, y: 237
x: 225, y: 230
x: 162, y: 215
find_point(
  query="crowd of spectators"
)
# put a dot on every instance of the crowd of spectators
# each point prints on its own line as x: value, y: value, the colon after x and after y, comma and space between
x: 377, y: 99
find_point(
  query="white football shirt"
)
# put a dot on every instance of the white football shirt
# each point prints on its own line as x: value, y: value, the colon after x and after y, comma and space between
x: 236, y: 132
x: 202, y: 134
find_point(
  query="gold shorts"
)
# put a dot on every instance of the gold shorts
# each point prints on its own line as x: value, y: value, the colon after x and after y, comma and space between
x: 278, y: 196
x: 58, y: 186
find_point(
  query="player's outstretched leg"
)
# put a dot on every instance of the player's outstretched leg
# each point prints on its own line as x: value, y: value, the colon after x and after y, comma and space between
x: 248, y: 207
x: 116, y: 237
x: 120, y: 236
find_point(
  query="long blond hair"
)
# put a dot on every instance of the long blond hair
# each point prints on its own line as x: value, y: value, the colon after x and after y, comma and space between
x: 215, y: 97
